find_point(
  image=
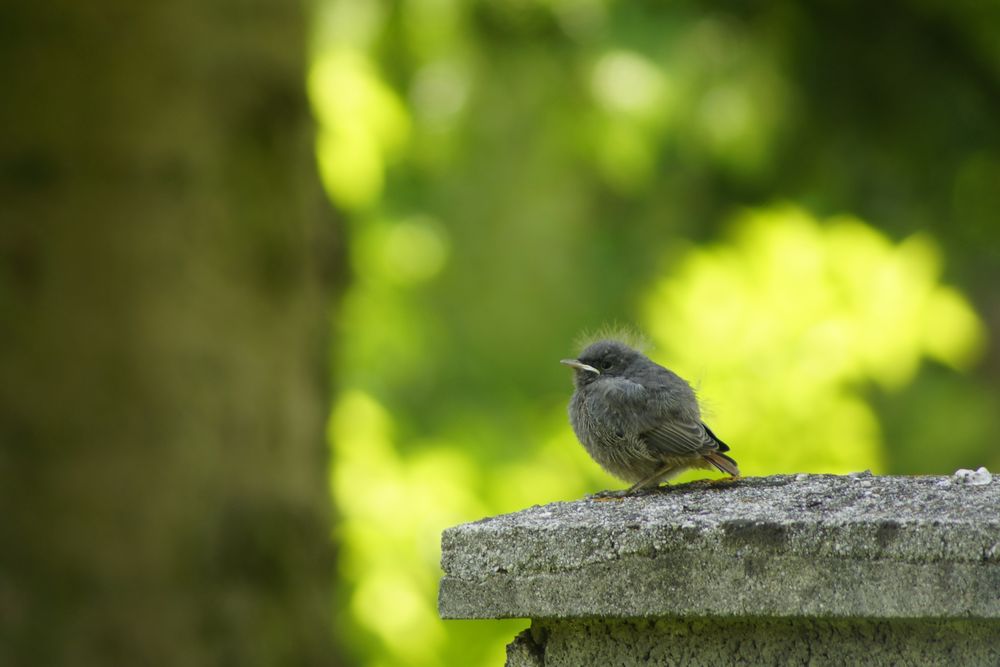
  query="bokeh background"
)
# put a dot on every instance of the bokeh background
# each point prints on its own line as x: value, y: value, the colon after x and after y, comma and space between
x: 795, y: 204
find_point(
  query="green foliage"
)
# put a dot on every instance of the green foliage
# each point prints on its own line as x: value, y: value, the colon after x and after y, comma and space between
x: 516, y: 173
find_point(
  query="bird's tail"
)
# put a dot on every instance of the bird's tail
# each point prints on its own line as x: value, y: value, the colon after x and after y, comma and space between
x: 723, y: 463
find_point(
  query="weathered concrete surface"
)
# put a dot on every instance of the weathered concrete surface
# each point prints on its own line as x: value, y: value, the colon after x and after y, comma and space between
x: 806, y: 546
x: 813, y: 642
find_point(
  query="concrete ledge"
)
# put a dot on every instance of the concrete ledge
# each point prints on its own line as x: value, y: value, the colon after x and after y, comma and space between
x: 804, y: 546
x: 572, y: 643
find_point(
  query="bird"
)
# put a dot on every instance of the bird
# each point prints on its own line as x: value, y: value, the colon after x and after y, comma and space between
x: 638, y: 420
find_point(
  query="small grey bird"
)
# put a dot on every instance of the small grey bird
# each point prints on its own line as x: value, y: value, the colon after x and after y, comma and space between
x: 638, y: 420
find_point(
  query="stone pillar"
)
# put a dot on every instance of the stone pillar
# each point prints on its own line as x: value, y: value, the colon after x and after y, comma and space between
x: 790, y: 569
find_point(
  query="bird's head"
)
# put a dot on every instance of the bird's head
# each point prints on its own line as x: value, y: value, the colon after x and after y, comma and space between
x: 605, y: 358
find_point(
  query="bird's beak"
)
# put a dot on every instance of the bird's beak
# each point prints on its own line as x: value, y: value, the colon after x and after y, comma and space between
x: 580, y: 366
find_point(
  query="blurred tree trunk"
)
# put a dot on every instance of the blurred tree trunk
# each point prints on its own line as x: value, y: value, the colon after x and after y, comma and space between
x: 165, y: 279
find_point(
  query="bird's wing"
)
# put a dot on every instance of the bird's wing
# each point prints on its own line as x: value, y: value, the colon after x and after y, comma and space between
x: 678, y: 437
x: 667, y: 432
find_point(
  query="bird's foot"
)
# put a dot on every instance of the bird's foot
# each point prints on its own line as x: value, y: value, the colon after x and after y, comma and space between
x: 725, y: 480
x: 605, y: 496
x: 634, y: 491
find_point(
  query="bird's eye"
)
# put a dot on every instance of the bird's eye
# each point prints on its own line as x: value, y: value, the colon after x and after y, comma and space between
x: 607, y: 364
